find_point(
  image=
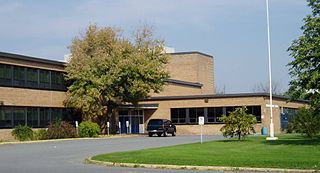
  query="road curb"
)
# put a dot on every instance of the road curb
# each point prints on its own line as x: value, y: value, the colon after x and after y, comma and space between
x: 67, y: 139
x: 201, y: 168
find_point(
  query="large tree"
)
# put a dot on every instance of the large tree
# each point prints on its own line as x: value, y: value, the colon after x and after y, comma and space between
x: 107, y: 69
x: 305, y: 67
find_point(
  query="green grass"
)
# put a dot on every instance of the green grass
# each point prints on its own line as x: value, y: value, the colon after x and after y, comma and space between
x: 290, y: 151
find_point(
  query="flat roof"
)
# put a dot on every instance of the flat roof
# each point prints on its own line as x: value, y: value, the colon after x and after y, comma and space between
x: 31, y: 58
x: 54, y: 62
x: 190, y: 52
x: 214, y: 96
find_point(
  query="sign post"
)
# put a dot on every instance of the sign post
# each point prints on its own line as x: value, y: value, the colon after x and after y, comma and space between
x: 119, y: 127
x: 127, y: 124
x: 201, y: 123
x: 77, y: 127
x: 108, y: 126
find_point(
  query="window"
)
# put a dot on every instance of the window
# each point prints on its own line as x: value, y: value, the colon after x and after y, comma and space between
x: 26, y: 77
x: 44, y: 79
x: 229, y: 110
x: 32, y: 78
x: 214, y: 113
x: 19, y: 116
x: 56, y: 114
x: 182, y: 115
x: 57, y: 80
x: 192, y: 115
x: 5, y: 75
x: 32, y: 117
x: 123, y: 112
x: 45, y: 117
x: 255, y: 111
x: 5, y: 117
x: 218, y: 112
x: 19, y: 76
x: 175, y: 115
x: 178, y: 115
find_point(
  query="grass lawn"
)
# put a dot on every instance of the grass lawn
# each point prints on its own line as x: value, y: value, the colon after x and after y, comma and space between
x: 290, y: 151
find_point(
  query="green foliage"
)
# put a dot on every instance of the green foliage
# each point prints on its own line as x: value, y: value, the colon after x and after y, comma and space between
x: 238, y: 123
x: 40, y: 134
x: 305, y: 67
x: 290, y: 151
x: 89, y: 129
x: 108, y: 69
x: 22, y: 133
x: 61, y: 129
x: 307, y: 121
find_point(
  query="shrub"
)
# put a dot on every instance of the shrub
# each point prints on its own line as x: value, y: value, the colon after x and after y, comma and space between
x: 40, y: 134
x: 89, y: 129
x: 61, y: 129
x: 239, y: 123
x: 307, y: 121
x: 22, y: 133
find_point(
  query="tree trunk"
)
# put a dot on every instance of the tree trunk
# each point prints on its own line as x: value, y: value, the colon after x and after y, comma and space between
x: 102, y: 121
x: 113, y: 121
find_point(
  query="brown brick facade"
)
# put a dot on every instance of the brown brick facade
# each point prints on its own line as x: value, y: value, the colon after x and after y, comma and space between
x: 165, y: 105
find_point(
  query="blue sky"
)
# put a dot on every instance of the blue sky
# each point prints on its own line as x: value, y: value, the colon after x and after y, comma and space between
x: 233, y: 31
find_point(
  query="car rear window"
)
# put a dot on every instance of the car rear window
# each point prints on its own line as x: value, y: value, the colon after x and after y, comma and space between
x: 155, y: 122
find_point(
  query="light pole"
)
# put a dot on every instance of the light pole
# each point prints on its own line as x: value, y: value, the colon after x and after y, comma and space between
x: 271, y: 137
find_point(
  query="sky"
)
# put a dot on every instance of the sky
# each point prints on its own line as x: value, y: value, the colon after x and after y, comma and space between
x: 234, y: 32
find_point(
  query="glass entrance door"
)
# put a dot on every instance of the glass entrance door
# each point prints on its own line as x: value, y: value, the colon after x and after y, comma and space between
x: 135, y: 119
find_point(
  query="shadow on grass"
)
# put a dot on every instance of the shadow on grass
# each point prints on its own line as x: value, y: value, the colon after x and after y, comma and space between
x: 295, y: 140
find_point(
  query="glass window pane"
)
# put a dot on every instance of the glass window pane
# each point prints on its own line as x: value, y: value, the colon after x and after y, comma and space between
x: 19, y: 76
x: 57, y: 80
x: 5, y: 117
x: 56, y: 115
x: 32, y: 117
x: 182, y: 115
x: 32, y: 77
x: 256, y: 111
x: 5, y: 75
x: 44, y: 79
x: 218, y: 112
x: 229, y: 110
x: 19, y: 116
x: 211, y: 115
x: 193, y: 115
x: 123, y: 112
x: 44, y: 117
x: 174, y: 115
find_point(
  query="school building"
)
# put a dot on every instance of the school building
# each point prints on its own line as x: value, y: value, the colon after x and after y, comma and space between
x: 32, y: 91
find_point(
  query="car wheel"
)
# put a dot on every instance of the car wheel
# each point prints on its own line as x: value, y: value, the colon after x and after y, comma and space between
x: 165, y: 133
x: 173, y: 133
x: 159, y: 134
x: 150, y: 134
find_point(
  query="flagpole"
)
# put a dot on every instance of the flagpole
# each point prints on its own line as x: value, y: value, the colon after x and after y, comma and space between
x: 271, y: 137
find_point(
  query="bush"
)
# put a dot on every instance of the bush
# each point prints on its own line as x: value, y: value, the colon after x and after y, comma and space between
x: 61, y: 129
x: 89, y: 129
x: 239, y: 123
x: 40, y: 134
x: 22, y: 133
x: 307, y: 121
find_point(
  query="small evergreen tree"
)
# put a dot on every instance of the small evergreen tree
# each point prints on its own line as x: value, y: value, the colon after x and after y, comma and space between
x: 239, y: 123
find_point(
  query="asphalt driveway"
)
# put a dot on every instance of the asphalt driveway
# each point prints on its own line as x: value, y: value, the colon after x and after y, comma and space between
x: 68, y: 156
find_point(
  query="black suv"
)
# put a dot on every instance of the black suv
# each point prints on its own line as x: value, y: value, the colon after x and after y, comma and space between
x: 161, y: 126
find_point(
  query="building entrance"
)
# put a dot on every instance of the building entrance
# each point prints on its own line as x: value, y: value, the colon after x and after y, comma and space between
x: 135, y: 119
